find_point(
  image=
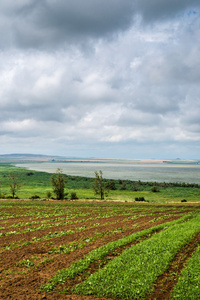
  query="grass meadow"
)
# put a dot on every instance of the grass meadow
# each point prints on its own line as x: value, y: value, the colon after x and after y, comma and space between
x: 35, y: 183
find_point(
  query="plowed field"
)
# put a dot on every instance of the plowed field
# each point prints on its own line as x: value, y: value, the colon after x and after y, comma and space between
x: 38, y: 239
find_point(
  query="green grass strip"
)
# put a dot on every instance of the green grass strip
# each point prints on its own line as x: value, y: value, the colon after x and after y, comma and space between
x: 132, y: 274
x: 81, y: 265
x: 188, y: 286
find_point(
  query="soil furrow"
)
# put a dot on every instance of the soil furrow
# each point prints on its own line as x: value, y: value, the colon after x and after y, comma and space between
x: 15, y: 285
x: 33, y: 279
x: 166, y: 282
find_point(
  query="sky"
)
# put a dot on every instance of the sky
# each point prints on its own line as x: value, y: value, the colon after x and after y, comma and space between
x: 100, y: 78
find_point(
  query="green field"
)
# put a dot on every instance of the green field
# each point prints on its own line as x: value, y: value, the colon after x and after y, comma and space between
x: 36, y: 183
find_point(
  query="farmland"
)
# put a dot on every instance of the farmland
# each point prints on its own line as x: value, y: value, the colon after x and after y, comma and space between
x: 117, y: 248
x: 88, y: 249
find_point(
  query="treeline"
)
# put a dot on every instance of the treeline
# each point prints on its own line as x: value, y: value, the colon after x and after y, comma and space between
x: 118, y: 184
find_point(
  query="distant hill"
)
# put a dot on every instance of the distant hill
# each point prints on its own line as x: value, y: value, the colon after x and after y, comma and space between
x: 184, y: 162
x: 28, y: 157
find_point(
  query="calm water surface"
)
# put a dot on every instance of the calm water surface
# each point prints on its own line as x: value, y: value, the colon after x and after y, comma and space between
x: 159, y: 172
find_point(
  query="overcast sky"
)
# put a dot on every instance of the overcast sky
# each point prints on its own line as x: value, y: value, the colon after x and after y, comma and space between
x: 100, y: 78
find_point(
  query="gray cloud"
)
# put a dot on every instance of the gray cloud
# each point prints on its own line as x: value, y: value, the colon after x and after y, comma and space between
x: 94, y: 77
x: 161, y: 10
x: 49, y: 23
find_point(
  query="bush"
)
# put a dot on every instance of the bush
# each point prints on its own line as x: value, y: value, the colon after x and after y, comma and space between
x: 48, y: 195
x: 29, y: 173
x: 10, y: 197
x: 65, y: 196
x: 140, y: 199
x: 154, y: 189
x: 110, y: 185
x: 184, y: 200
x: 123, y: 186
x: 134, y: 188
x: 73, y: 196
x: 35, y: 197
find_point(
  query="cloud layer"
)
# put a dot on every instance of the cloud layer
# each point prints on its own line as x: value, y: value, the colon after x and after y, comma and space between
x: 108, y: 78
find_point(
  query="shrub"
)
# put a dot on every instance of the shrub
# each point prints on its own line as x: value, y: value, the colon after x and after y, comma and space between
x: 66, y: 196
x: 73, y: 196
x: 154, y: 189
x: 123, y: 186
x: 139, y: 199
x: 48, y: 194
x: 134, y: 188
x: 29, y: 173
x: 35, y: 197
x: 184, y: 200
x: 110, y: 185
x: 10, y: 197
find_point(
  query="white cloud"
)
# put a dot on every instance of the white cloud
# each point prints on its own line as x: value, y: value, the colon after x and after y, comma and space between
x: 129, y: 80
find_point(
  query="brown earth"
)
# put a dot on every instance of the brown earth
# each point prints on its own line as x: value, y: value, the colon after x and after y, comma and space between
x: 20, y: 282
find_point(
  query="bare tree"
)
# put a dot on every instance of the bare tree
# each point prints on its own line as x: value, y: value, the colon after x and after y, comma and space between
x: 98, y: 184
x: 14, y: 184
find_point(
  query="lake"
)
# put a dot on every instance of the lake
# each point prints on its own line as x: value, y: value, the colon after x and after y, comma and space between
x: 123, y: 169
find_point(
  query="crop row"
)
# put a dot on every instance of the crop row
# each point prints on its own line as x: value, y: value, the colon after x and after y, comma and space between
x: 70, y: 230
x: 50, y: 225
x: 56, y: 234
x: 64, y: 249
x: 60, y: 244
x: 132, y: 274
x: 83, y: 264
x: 67, y: 220
x: 66, y: 209
x: 70, y: 246
x: 102, y: 216
x: 46, y: 209
x: 188, y: 283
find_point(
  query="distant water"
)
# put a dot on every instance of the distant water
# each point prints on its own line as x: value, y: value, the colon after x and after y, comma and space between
x: 160, y: 172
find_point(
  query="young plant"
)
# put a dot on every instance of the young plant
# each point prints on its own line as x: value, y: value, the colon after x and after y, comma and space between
x: 25, y: 262
x: 188, y: 284
x: 83, y: 264
x: 132, y: 274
